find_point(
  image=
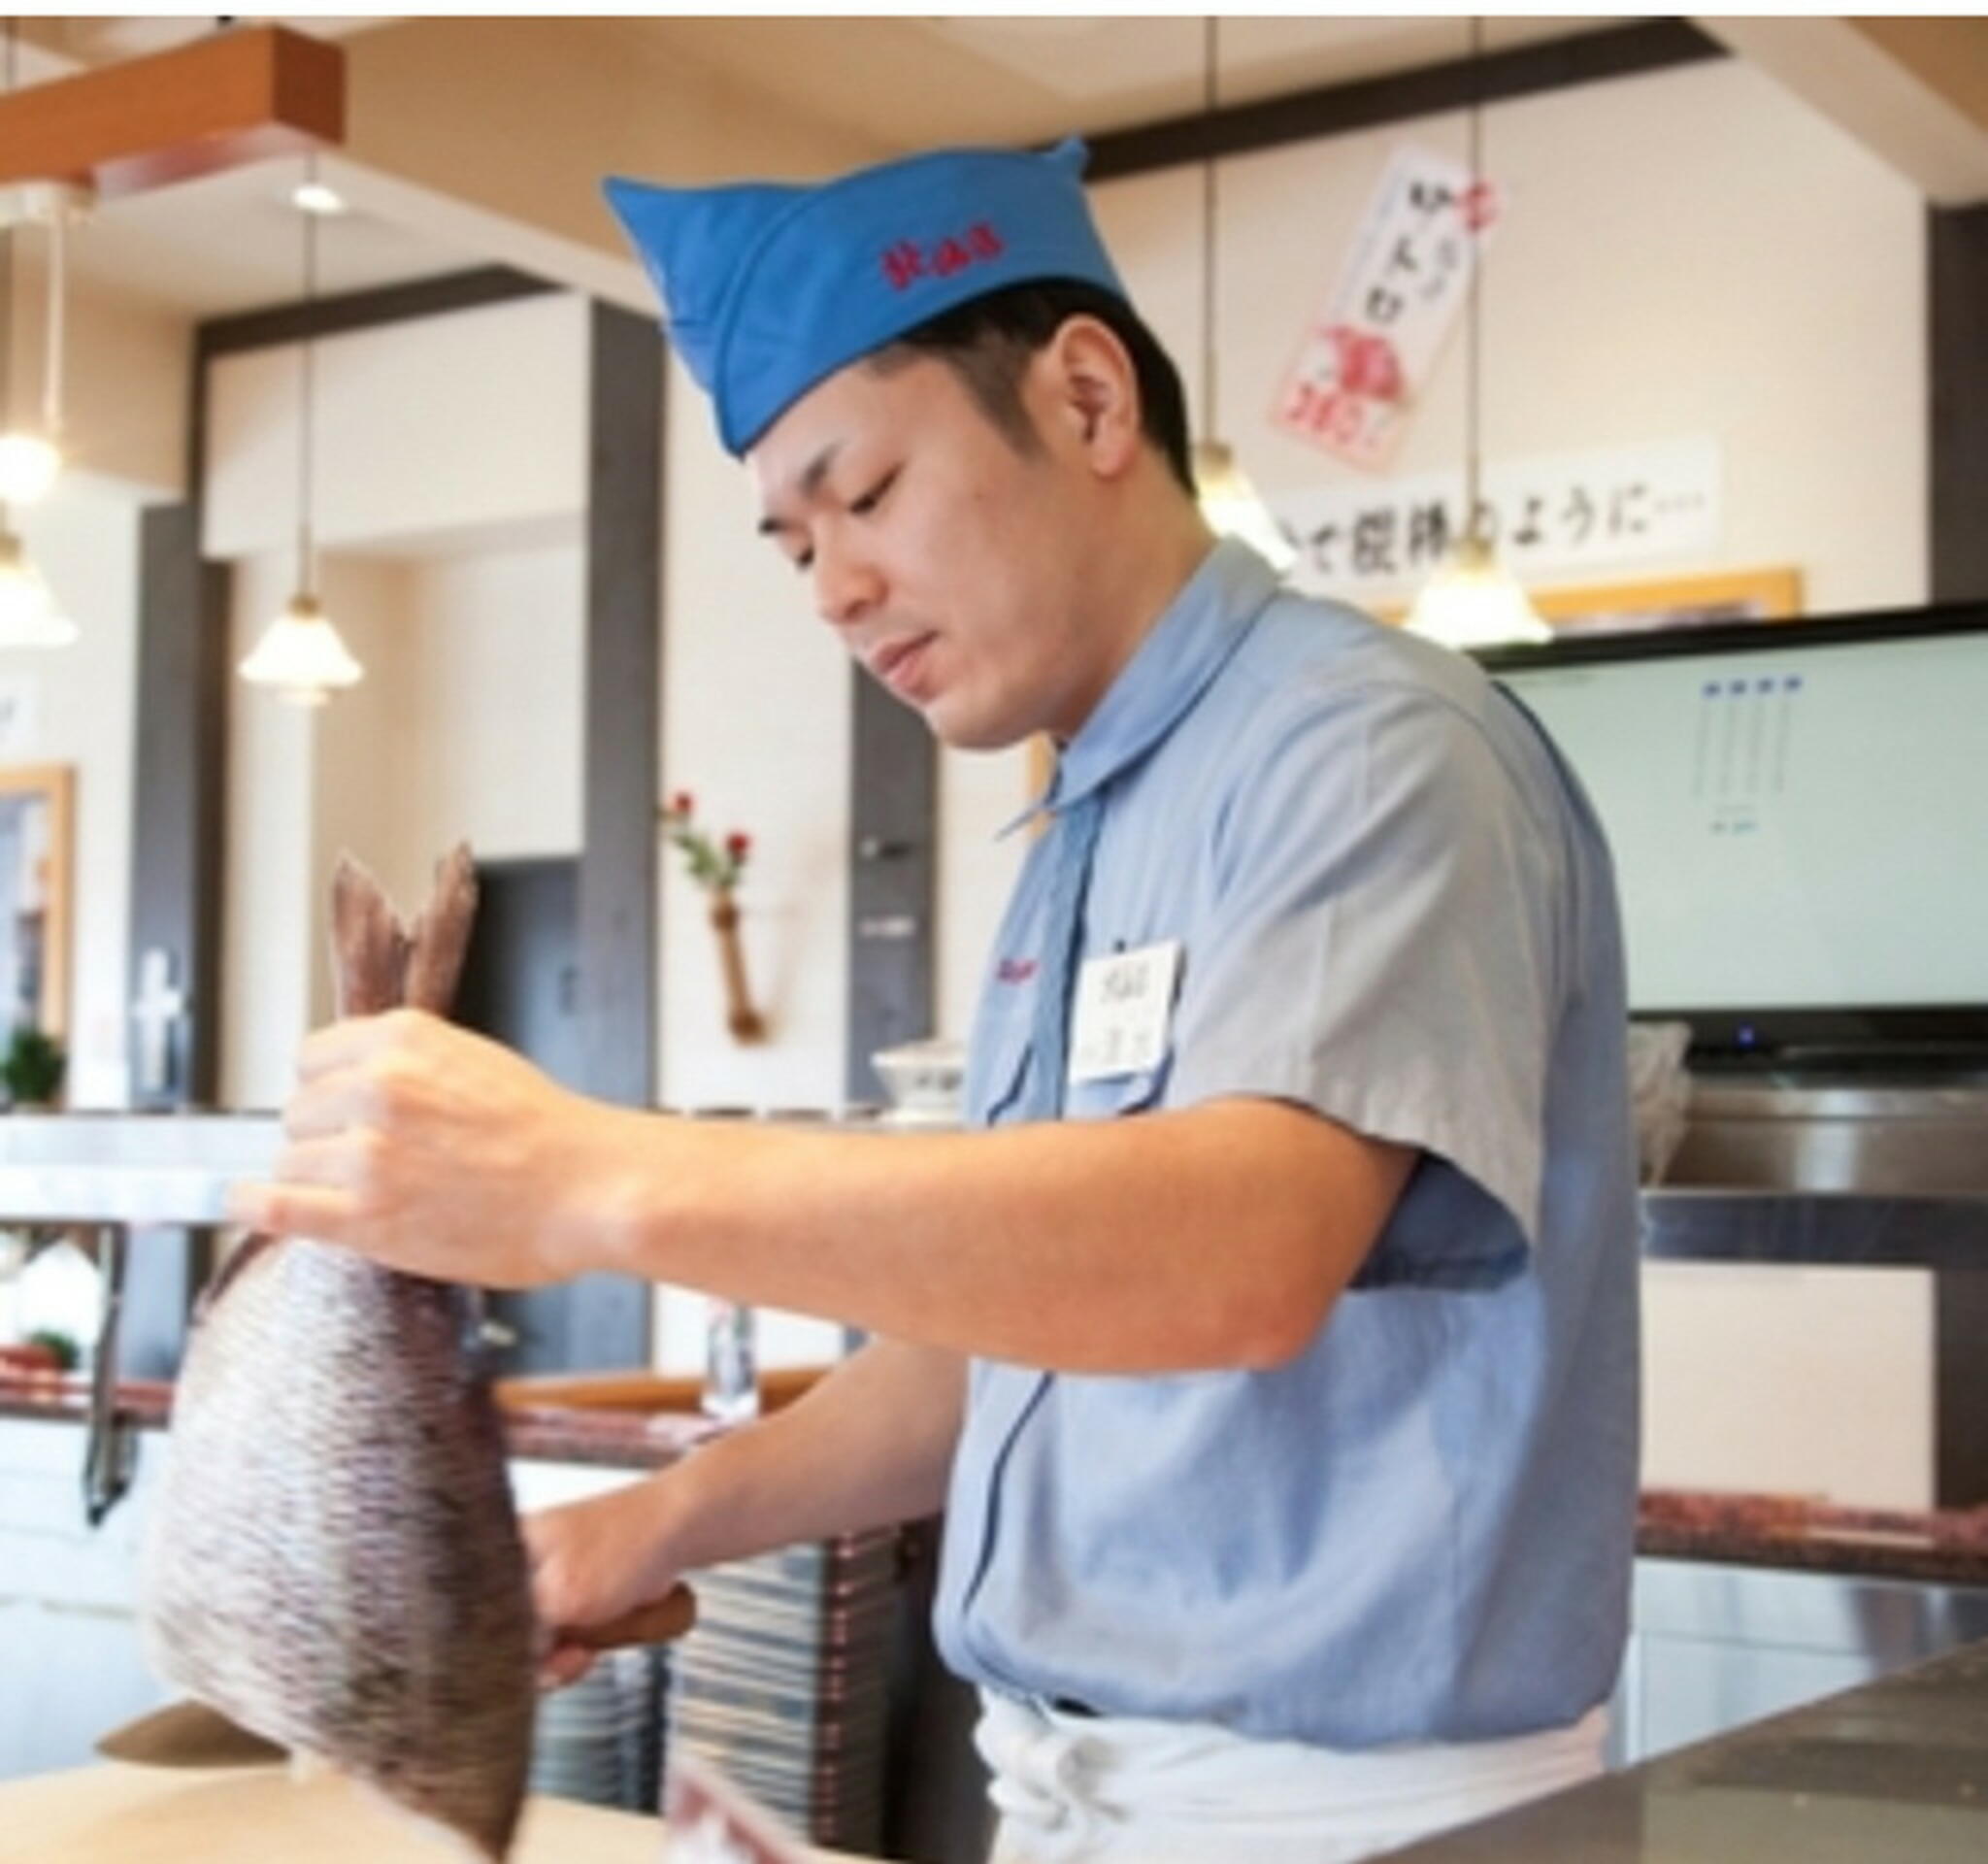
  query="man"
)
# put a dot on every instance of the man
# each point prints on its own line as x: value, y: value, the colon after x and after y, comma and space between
x: 1274, y: 1354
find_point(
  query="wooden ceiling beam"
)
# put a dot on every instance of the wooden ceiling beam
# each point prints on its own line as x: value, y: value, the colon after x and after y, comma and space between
x: 236, y: 96
x: 1914, y: 92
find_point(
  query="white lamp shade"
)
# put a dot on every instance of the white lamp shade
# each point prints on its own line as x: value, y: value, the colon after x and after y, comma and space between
x: 301, y: 656
x: 28, y: 465
x: 28, y: 614
x: 1231, y: 505
x: 1473, y: 601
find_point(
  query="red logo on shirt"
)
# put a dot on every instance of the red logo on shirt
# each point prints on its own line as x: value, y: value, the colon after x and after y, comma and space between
x: 906, y: 262
x: 1015, y: 970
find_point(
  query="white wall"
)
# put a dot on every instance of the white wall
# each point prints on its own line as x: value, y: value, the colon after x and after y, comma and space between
x: 83, y: 538
x: 465, y: 727
x: 450, y: 474
x: 430, y: 431
x: 123, y: 382
x: 979, y: 794
x: 1691, y: 253
x: 755, y: 708
x: 492, y: 663
x: 272, y: 891
x: 1785, y: 1381
x: 363, y: 746
x: 756, y: 728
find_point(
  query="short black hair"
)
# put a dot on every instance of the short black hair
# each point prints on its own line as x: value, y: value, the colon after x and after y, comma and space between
x: 988, y: 341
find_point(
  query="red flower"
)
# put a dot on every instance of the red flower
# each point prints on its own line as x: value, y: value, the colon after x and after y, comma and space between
x: 738, y: 846
x: 682, y: 803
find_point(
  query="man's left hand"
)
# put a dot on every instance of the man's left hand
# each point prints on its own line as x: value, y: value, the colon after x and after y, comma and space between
x: 437, y: 1152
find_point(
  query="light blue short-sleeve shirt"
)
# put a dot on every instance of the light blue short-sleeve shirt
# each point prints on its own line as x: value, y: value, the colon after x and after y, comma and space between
x: 1394, y: 906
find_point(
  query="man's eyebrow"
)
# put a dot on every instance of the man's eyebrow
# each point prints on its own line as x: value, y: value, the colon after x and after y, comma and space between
x: 807, y: 485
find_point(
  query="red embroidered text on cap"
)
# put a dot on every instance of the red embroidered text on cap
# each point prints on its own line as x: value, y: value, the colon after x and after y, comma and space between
x: 907, y: 261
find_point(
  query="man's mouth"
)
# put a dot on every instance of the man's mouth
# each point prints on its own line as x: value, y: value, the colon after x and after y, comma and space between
x: 898, y: 663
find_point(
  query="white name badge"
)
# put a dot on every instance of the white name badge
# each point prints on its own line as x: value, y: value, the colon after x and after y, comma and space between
x: 1124, y: 1008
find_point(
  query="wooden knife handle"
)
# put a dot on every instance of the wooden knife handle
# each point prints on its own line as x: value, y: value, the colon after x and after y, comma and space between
x: 657, y: 1622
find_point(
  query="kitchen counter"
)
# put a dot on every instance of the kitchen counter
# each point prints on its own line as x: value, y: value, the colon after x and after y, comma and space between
x: 115, y: 1814
x: 1893, y: 1773
x: 561, y: 1432
x: 1944, y: 1546
x: 586, y: 1420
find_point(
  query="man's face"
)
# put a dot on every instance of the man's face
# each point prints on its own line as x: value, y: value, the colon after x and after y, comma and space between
x: 947, y: 559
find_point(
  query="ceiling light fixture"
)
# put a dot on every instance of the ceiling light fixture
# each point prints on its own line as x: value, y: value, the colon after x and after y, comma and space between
x: 31, y: 460
x: 1473, y: 601
x: 29, y: 615
x: 317, y: 198
x: 301, y: 655
x: 1223, y: 488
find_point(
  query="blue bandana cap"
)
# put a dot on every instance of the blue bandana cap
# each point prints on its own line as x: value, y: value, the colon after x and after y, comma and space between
x: 768, y: 290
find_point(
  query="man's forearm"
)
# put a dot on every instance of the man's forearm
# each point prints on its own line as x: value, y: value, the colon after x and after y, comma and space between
x: 1215, y: 1237
x: 872, y: 1444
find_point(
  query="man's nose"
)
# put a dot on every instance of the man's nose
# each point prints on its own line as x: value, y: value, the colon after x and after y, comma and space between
x: 847, y: 585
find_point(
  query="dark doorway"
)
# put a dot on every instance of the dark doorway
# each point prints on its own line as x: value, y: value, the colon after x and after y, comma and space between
x: 520, y: 985
x: 520, y: 982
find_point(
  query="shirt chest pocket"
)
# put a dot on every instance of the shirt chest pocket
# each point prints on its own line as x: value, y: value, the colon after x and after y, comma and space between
x: 1119, y: 1095
x: 1012, y: 1092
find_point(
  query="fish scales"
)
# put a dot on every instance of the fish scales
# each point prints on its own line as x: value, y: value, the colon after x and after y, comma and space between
x: 335, y: 1561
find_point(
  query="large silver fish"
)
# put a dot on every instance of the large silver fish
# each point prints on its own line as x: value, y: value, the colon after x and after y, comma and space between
x: 335, y: 1561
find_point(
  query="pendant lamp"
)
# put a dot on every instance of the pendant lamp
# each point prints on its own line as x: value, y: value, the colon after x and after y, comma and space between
x: 29, y: 461
x: 1473, y: 601
x: 1223, y: 488
x: 29, y: 615
x: 301, y: 655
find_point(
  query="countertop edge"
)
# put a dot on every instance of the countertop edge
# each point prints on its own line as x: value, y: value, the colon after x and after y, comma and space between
x: 1731, y: 1532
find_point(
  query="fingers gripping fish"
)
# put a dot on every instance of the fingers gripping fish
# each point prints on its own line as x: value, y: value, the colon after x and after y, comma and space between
x: 335, y: 1561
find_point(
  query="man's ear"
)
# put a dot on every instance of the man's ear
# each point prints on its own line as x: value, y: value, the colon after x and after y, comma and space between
x: 1091, y: 389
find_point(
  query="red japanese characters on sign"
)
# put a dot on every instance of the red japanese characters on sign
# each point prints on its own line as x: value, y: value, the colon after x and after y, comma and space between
x: 906, y: 262
x: 1361, y: 364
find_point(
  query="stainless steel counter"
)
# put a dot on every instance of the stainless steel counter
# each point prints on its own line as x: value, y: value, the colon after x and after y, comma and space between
x: 1841, y: 1135
x: 1895, y: 1772
x: 134, y: 1169
x: 1714, y: 1647
x: 115, y: 1173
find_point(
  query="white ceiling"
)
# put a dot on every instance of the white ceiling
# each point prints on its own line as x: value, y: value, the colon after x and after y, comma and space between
x: 1029, y: 78
x: 232, y: 241
x: 229, y: 242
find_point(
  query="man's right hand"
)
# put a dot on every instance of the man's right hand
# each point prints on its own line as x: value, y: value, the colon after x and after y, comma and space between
x: 592, y: 1561
x: 868, y: 1446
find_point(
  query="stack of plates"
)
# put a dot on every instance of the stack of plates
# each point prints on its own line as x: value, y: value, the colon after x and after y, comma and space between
x: 782, y: 1686
x: 600, y: 1740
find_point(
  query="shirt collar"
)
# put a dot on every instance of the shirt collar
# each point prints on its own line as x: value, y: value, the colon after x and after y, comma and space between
x: 1171, y: 668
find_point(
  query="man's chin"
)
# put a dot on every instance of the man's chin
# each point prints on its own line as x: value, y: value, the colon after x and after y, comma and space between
x: 958, y: 729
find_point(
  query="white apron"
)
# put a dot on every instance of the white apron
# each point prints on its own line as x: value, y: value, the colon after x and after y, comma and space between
x: 1071, y: 1790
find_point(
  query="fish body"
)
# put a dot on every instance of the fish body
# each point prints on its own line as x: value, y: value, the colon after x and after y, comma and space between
x: 335, y: 1560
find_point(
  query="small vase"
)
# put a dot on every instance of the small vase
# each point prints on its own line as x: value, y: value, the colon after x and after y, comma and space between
x: 743, y: 1021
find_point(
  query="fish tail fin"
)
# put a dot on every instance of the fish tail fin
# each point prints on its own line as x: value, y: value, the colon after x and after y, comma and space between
x: 440, y: 937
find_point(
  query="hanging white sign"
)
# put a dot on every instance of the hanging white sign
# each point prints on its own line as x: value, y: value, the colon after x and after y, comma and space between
x: 1365, y: 357
x: 21, y: 714
x: 1555, y: 513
